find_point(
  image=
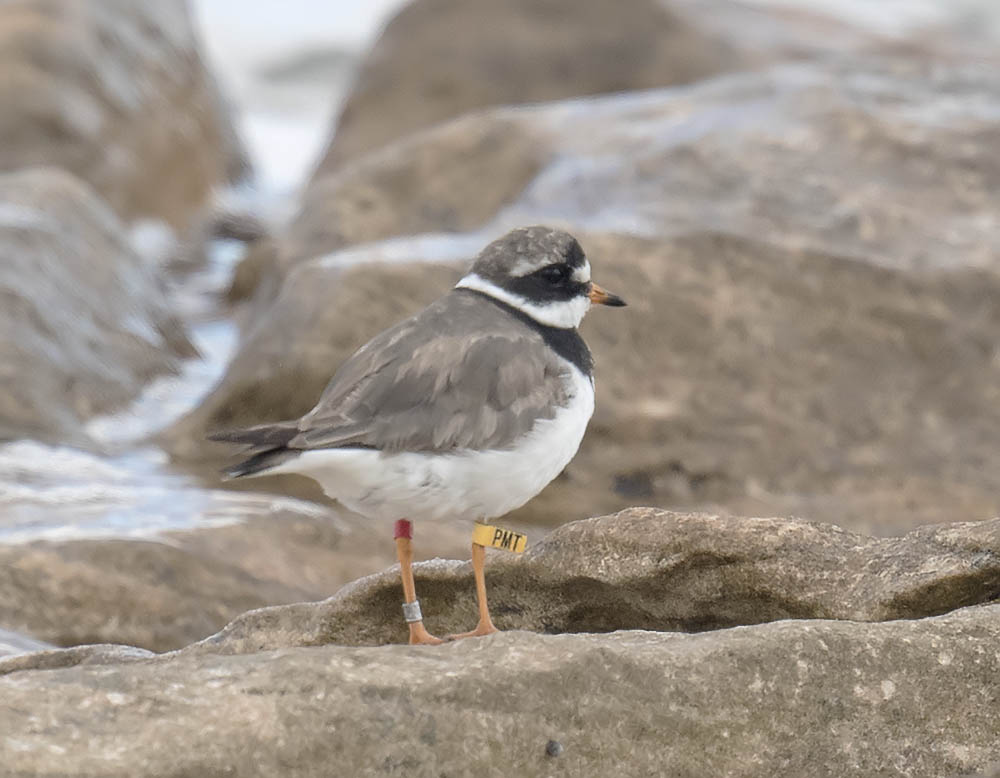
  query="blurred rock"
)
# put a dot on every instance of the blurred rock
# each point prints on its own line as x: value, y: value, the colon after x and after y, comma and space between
x: 85, y: 324
x: 438, y: 59
x: 849, y: 158
x: 454, y: 179
x: 268, y: 696
x: 51, y: 659
x: 844, y: 157
x: 116, y: 92
x: 650, y: 569
x: 165, y: 592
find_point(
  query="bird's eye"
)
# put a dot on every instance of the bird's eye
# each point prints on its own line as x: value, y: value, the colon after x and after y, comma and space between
x: 554, y: 274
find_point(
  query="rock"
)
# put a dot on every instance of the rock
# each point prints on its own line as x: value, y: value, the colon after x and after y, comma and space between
x: 167, y: 591
x: 743, y: 377
x: 438, y: 59
x: 819, y: 698
x: 451, y: 180
x: 51, y: 659
x: 117, y: 93
x: 655, y: 570
x: 85, y: 323
x: 837, y: 682
x: 883, y: 140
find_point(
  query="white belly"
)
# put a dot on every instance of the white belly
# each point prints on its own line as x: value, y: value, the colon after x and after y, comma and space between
x: 470, y: 484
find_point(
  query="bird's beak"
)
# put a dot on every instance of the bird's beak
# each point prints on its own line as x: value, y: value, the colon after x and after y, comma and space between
x: 604, y: 297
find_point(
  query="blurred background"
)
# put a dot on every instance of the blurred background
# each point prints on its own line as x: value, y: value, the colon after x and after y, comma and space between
x: 206, y: 206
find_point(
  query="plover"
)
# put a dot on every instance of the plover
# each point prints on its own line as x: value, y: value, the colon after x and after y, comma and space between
x: 468, y: 409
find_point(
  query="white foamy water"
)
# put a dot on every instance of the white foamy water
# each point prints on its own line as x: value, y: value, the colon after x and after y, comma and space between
x: 167, y: 398
x: 60, y: 493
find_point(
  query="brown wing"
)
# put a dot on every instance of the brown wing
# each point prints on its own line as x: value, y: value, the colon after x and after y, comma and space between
x: 460, y: 374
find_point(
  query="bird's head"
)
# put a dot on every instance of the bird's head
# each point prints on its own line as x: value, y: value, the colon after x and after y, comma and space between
x: 541, y: 272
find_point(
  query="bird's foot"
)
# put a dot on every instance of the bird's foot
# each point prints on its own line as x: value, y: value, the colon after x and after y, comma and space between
x: 483, y: 628
x: 419, y: 636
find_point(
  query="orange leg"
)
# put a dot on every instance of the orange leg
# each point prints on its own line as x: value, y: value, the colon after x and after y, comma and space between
x: 404, y: 550
x: 485, y: 625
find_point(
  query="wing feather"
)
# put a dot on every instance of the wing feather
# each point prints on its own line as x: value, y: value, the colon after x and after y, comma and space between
x: 435, y: 383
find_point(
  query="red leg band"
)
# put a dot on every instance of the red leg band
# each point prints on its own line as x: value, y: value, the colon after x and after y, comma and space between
x: 404, y: 529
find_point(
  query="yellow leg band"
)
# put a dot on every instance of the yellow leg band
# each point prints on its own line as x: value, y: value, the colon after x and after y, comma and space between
x: 497, y: 537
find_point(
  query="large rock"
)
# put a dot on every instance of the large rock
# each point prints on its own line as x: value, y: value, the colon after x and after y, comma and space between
x: 116, y: 92
x: 649, y: 569
x: 873, y: 159
x: 438, y: 59
x: 819, y: 698
x: 460, y: 174
x: 882, y: 142
x: 84, y: 322
x: 826, y: 688
x: 454, y: 179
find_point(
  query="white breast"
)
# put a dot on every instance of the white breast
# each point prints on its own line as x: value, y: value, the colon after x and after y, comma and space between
x: 470, y: 484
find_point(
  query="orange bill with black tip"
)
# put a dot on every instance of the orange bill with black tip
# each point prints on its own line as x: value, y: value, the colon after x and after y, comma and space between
x: 604, y: 297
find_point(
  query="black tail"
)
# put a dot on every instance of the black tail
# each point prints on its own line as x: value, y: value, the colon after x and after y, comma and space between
x: 259, y: 462
x: 267, y: 440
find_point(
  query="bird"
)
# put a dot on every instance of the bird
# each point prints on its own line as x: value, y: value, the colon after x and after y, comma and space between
x: 467, y: 409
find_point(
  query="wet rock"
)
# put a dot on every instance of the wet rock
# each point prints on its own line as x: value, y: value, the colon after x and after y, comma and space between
x: 116, y: 92
x: 821, y: 698
x: 453, y: 180
x: 438, y: 59
x: 655, y: 570
x: 85, y: 323
x: 847, y: 158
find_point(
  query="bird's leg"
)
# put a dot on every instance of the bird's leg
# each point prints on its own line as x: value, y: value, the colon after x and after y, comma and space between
x: 411, y: 608
x: 485, y: 625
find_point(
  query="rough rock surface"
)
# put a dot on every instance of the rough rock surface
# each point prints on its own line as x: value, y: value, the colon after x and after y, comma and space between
x: 437, y: 59
x: 822, y: 698
x: 742, y: 377
x: 165, y: 593
x: 650, y: 569
x: 453, y: 179
x: 116, y: 92
x: 826, y: 688
x: 84, y: 323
